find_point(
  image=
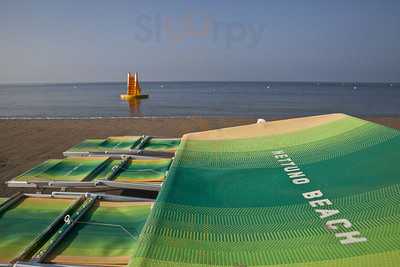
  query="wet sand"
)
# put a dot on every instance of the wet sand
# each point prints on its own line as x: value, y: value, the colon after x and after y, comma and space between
x: 25, y: 143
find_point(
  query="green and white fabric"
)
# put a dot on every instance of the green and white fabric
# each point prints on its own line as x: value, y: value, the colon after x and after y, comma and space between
x: 314, y: 191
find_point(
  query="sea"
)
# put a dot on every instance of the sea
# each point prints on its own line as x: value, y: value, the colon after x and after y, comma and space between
x: 188, y: 99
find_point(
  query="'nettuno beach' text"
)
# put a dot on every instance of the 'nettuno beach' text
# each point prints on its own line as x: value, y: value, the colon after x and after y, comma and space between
x: 342, y: 227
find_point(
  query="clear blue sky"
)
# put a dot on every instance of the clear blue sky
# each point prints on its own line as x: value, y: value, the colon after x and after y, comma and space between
x: 285, y: 40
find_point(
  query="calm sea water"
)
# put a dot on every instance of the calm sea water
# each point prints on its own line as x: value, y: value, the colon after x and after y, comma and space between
x: 245, y: 99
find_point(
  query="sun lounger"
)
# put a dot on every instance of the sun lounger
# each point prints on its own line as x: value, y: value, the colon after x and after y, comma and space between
x: 126, y: 145
x: 75, y: 229
x: 314, y: 191
x: 146, y: 174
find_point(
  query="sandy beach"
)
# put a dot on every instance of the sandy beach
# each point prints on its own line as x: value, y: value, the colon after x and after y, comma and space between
x: 25, y: 143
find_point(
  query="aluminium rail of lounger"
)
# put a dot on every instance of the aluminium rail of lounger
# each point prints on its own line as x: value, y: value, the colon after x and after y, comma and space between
x: 70, y: 229
x: 87, y: 172
x: 115, y: 146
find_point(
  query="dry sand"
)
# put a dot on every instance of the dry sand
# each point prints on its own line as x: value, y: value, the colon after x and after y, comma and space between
x: 25, y: 143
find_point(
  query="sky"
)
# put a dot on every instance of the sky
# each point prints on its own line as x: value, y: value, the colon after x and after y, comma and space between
x: 268, y: 40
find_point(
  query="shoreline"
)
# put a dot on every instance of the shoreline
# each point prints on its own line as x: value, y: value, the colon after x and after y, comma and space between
x: 235, y: 117
x: 27, y: 142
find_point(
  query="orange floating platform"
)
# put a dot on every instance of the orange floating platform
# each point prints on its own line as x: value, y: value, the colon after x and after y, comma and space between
x: 133, y: 88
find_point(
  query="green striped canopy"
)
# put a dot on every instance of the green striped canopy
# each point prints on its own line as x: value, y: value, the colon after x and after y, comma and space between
x: 314, y: 191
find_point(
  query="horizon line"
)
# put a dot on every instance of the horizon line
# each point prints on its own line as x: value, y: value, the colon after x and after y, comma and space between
x: 222, y: 81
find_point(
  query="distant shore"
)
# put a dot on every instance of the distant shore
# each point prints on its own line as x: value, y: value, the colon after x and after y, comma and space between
x: 27, y: 142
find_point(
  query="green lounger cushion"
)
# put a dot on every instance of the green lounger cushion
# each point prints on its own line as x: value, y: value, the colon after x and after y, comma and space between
x: 109, y: 144
x: 106, y: 236
x: 21, y: 224
x: 162, y: 144
x: 147, y: 170
x: 77, y: 169
x: 68, y: 169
